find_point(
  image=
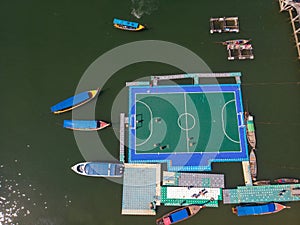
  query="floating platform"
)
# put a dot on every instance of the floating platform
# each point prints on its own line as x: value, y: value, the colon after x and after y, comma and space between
x: 141, y: 188
x: 257, y: 194
x: 224, y: 24
x: 205, y: 180
x: 247, y: 173
x: 181, y: 196
x: 244, y: 51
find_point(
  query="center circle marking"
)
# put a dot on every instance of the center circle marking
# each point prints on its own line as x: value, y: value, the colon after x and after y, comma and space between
x: 186, y: 119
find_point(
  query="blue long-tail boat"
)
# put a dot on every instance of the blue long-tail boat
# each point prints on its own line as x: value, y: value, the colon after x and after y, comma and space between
x: 258, y: 209
x: 85, y: 125
x: 128, y: 25
x: 74, y: 101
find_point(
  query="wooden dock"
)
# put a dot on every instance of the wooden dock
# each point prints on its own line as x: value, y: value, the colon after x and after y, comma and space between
x: 224, y: 24
x: 240, y: 52
x: 122, y: 137
x: 294, y: 11
x: 195, y: 76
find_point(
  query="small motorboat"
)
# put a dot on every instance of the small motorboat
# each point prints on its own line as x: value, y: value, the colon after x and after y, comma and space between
x: 127, y: 25
x: 258, y: 209
x: 253, y: 165
x: 85, y: 125
x: 179, y: 215
x: 250, y: 130
x: 286, y: 181
x: 74, y: 101
x: 99, y: 169
x: 236, y: 42
x: 262, y: 182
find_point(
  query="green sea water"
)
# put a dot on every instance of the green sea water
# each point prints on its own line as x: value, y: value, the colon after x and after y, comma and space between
x: 45, y: 48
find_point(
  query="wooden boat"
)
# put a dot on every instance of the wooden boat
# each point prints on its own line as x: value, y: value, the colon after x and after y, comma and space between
x: 85, y: 125
x: 74, y: 101
x: 99, y: 169
x: 258, y: 209
x: 261, y: 182
x: 179, y: 215
x: 127, y: 25
x: 235, y: 42
x: 286, y: 181
x: 253, y: 165
x: 250, y: 130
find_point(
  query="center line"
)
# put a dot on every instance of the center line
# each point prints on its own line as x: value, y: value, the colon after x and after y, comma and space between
x: 186, y: 124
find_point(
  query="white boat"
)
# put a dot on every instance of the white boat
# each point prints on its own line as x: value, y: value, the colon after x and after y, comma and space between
x: 99, y: 169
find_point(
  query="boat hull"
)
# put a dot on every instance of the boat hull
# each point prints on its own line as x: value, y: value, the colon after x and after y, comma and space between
x: 261, y: 182
x: 85, y: 125
x: 99, y: 169
x: 179, y: 215
x: 259, y: 209
x: 286, y: 181
x: 128, y: 25
x: 74, y: 102
x: 250, y: 130
x: 253, y: 165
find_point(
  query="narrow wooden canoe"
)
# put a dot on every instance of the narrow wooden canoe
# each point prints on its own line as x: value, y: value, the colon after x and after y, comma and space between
x: 85, y: 125
x: 253, y: 165
x: 261, y: 182
x: 128, y: 25
x: 74, y: 101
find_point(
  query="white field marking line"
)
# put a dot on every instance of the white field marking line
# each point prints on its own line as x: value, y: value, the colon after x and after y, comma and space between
x: 151, y: 123
x: 186, y: 114
x: 186, y: 124
x: 223, y: 124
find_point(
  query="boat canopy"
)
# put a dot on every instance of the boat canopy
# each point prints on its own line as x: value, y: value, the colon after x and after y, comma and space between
x: 80, y: 124
x: 125, y: 23
x: 98, y: 168
x: 72, y: 101
x: 255, y: 210
x: 179, y: 215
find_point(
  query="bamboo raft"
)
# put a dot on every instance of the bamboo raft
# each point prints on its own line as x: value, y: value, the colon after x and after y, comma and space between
x: 224, y: 24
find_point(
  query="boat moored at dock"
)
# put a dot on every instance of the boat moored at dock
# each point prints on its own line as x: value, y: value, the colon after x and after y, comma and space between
x: 261, y: 182
x: 85, y: 125
x: 128, y: 25
x: 287, y: 181
x: 258, y: 209
x: 179, y: 215
x: 236, y: 42
x: 250, y: 130
x: 99, y: 169
x: 253, y: 165
x: 74, y: 101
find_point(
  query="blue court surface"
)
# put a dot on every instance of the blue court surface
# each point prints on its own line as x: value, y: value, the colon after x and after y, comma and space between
x: 188, y: 127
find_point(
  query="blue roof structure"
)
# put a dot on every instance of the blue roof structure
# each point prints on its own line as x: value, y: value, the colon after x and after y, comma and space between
x: 125, y: 23
x: 80, y: 124
x: 179, y: 215
x: 72, y: 101
x: 255, y: 210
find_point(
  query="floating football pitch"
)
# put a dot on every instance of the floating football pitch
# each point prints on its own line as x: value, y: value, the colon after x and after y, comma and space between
x: 186, y: 126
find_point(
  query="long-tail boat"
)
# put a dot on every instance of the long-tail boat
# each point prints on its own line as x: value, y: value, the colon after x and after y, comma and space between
x: 179, y: 215
x: 85, y: 125
x: 236, y: 42
x: 128, y: 25
x: 258, y: 209
x: 74, y: 101
x: 287, y: 181
x: 253, y: 165
x: 99, y: 169
x: 261, y: 182
x: 250, y: 130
